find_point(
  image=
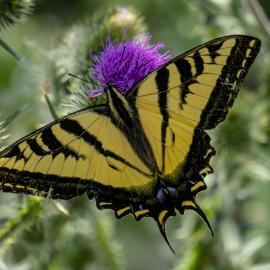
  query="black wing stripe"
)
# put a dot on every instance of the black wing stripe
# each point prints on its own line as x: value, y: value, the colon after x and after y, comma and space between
x: 56, y: 147
x: 162, y: 81
x: 76, y: 129
x: 50, y: 140
x: 35, y: 147
x: 184, y: 69
x: 198, y: 63
x: 14, y: 152
x: 213, y: 48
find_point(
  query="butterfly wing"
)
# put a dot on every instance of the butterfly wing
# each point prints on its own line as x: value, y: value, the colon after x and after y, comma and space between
x: 178, y: 101
x: 83, y: 152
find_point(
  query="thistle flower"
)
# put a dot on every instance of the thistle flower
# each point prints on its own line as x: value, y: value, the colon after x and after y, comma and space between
x: 74, y: 53
x: 124, y: 63
x: 83, y: 40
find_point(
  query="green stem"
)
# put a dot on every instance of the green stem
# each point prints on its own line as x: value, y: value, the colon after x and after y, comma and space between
x: 260, y: 15
x: 9, y: 50
x: 51, y: 108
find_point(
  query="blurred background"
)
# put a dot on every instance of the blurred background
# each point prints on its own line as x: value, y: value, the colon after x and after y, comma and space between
x: 48, y: 39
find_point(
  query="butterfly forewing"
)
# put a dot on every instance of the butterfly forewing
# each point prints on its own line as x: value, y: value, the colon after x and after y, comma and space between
x: 84, y: 147
x: 190, y: 93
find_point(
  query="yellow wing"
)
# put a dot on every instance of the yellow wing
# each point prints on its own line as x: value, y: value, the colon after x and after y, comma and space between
x: 191, y: 93
x: 181, y: 99
x: 82, y: 152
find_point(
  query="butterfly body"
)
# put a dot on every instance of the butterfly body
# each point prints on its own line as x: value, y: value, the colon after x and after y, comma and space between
x: 144, y: 153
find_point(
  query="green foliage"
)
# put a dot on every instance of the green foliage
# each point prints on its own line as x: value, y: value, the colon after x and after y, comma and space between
x: 27, y: 214
x: 44, y: 234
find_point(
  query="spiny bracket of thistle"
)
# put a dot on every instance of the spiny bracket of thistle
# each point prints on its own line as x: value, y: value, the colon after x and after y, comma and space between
x: 4, y: 124
x: 14, y: 11
x: 85, y: 39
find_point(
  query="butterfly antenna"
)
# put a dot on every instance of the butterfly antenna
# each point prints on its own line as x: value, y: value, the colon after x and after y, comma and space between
x: 84, y: 80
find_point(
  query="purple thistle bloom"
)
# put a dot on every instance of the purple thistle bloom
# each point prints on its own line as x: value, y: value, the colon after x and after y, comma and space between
x: 124, y: 64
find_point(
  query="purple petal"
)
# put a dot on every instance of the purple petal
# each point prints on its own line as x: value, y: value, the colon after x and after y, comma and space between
x: 123, y: 64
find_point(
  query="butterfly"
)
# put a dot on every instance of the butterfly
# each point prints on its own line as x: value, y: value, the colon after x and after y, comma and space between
x: 144, y: 153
